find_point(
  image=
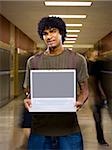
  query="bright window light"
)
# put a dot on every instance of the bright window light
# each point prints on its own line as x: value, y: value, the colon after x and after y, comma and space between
x: 54, y: 3
x: 70, y: 39
x: 71, y: 35
x: 73, y: 30
x: 69, y: 16
x: 74, y: 25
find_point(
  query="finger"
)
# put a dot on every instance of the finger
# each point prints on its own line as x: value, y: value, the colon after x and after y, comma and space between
x: 27, y: 103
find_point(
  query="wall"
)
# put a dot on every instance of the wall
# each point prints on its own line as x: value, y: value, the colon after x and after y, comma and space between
x: 106, y: 42
x: 15, y: 48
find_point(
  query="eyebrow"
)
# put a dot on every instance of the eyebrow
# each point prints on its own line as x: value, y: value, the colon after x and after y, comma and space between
x: 50, y: 29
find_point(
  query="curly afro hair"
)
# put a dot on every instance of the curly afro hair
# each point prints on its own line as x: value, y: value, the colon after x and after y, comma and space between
x: 52, y: 22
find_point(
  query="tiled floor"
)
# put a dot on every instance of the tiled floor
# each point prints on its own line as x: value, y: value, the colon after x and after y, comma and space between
x: 11, y: 136
x: 88, y: 129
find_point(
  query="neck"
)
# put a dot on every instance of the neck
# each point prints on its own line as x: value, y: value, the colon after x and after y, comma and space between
x: 55, y: 51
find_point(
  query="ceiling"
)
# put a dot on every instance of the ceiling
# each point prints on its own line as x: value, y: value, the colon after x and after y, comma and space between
x: 26, y: 14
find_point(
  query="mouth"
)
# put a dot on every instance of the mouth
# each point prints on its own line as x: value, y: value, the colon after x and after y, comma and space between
x: 50, y: 43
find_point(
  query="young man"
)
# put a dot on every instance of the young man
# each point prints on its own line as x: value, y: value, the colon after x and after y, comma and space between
x: 56, y: 130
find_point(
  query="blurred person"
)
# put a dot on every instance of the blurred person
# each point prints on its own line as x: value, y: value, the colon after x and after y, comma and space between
x: 97, y: 96
x: 56, y: 130
x: 106, y: 79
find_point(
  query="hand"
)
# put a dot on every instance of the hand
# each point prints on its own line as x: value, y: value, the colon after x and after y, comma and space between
x: 78, y: 105
x: 27, y: 103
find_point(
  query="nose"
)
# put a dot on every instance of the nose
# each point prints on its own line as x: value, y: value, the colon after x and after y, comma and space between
x: 49, y: 36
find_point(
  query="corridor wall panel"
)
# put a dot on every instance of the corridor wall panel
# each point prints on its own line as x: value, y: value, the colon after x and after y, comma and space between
x: 4, y: 76
x: 4, y: 30
x: 107, y: 42
x: 22, y: 41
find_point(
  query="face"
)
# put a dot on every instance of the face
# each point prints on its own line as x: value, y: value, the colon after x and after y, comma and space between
x: 52, y: 38
x: 95, y: 54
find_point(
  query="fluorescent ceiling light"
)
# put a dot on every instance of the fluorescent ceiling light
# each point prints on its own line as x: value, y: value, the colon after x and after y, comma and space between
x: 70, y: 39
x: 54, y: 3
x: 83, y: 46
x: 73, y: 30
x: 68, y: 16
x: 74, y: 25
x: 71, y: 42
x: 71, y: 35
x: 67, y: 45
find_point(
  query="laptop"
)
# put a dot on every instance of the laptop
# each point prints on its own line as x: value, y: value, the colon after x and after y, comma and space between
x: 53, y: 90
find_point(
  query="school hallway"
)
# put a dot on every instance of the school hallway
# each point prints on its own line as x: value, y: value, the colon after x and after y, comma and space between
x: 88, y: 28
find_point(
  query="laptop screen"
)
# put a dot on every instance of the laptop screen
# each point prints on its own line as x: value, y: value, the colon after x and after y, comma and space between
x: 53, y: 90
x: 53, y: 83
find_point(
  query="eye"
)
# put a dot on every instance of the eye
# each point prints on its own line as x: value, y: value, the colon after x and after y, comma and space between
x: 44, y: 33
x: 53, y: 30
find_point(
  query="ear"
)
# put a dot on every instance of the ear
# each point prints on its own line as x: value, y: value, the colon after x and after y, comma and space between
x: 60, y: 36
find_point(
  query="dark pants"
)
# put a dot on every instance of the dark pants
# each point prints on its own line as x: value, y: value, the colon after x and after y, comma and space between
x: 98, y: 121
